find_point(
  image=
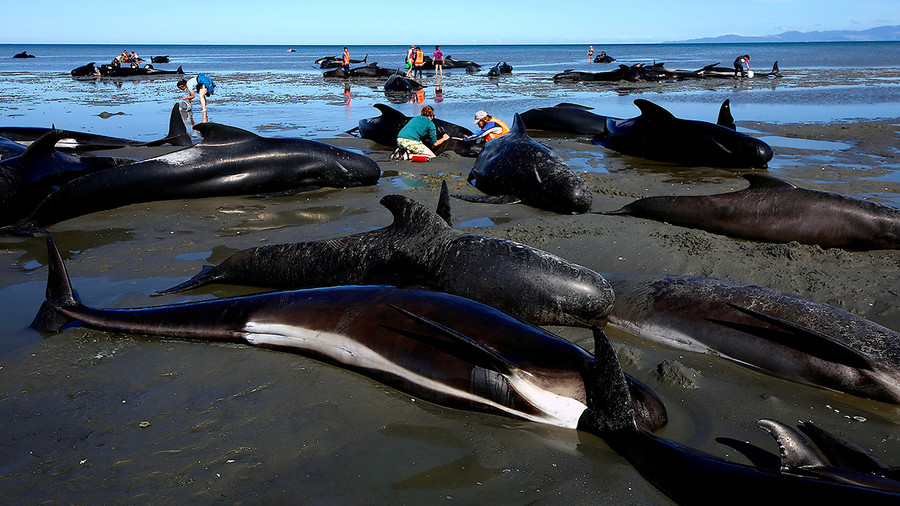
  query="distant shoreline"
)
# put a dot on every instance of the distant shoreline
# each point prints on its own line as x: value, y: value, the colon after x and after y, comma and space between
x: 886, y: 33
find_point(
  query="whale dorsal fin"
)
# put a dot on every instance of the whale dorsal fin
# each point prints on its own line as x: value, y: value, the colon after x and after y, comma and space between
x: 766, y: 181
x: 725, y: 118
x: 178, y: 134
x: 409, y: 213
x: 443, y: 207
x: 518, y: 127
x: 44, y: 145
x: 796, y: 451
x: 651, y: 111
x: 573, y: 106
x: 389, y: 112
x: 610, y: 408
x: 216, y: 133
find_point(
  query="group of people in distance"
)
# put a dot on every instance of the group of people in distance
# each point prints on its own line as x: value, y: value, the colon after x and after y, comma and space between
x: 410, y: 139
x: 415, y: 60
x: 128, y: 58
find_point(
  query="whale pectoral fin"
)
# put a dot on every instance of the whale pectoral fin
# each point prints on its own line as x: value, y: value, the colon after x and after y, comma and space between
x: 762, y: 459
x: 488, y: 199
x: 465, y: 346
x: 201, y: 279
x: 801, y: 338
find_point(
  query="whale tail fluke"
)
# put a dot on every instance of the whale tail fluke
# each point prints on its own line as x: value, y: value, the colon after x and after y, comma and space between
x: 60, y: 294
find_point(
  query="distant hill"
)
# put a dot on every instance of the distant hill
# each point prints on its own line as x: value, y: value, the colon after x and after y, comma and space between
x: 881, y: 33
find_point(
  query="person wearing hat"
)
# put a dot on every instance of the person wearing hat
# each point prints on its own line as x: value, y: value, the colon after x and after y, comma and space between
x: 491, y: 127
x: 416, y: 130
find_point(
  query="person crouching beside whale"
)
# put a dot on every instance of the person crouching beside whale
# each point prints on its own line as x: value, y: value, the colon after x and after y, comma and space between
x: 416, y: 130
x: 203, y: 85
x: 491, y: 127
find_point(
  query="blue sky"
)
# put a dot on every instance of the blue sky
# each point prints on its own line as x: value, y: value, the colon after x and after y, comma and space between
x: 340, y: 22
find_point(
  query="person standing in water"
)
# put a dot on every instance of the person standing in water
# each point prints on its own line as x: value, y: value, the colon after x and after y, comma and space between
x: 438, y: 58
x: 203, y: 85
x: 345, y: 62
x: 739, y: 63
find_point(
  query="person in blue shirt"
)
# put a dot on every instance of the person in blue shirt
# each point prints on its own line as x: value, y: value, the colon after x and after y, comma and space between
x: 203, y: 85
x: 417, y: 130
x: 491, y: 127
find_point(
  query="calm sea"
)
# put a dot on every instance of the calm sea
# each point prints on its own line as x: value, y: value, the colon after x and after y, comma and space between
x: 268, y: 89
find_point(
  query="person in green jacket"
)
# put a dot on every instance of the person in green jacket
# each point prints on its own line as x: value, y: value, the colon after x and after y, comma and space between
x: 417, y: 130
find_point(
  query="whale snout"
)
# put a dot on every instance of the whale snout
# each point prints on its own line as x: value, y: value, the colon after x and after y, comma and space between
x: 761, y: 153
x: 355, y: 170
x: 581, y: 199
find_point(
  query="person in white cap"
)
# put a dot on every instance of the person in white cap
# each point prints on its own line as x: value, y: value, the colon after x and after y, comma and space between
x: 491, y: 127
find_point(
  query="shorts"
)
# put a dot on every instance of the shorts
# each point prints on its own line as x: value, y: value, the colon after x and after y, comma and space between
x: 410, y: 145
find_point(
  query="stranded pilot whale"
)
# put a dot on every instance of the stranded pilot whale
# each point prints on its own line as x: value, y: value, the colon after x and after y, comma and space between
x: 569, y: 118
x: 773, y: 210
x: 30, y: 174
x: 462, y: 354
x: 516, y: 168
x: 421, y: 249
x: 229, y: 161
x: 780, y: 334
x: 656, y: 134
x: 82, y: 141
x: 443, y: 348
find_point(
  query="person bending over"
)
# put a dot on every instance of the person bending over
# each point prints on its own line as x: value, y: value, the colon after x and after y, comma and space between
x: 202, y: 84
x: 417, y: 130
x: 491, y: 127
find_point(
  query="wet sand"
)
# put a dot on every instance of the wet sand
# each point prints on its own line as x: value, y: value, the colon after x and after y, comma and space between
x: 94, y: 416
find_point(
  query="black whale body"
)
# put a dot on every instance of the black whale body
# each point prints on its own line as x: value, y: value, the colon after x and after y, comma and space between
x: 383, y: 129
x: 656, y: 134
x: 229, y: 161
x: 774, y: 210
x: 28, y: 177
x: 82, y: 141
x: 421, y: 249
x: 516, y: 168
x: 458, y: 353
